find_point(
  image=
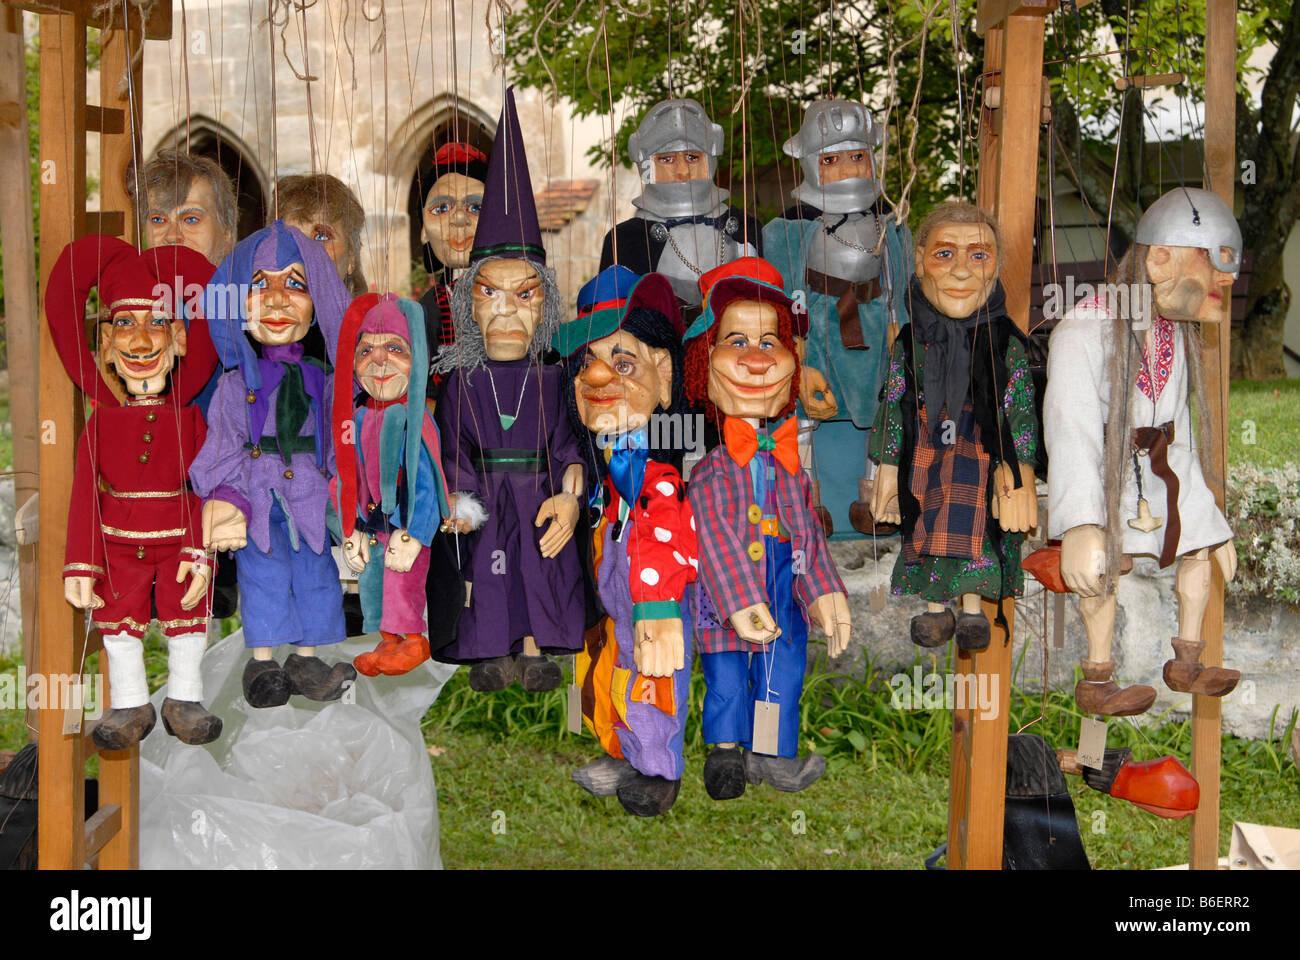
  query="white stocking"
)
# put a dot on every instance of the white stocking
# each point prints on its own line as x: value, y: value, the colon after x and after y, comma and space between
x: 184, y: 653
x: 126, y: 680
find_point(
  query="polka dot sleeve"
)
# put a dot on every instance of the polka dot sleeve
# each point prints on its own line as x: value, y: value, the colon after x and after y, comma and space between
x: 663, y: 548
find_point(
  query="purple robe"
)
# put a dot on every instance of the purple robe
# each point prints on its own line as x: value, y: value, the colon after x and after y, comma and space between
x: 513, y: 591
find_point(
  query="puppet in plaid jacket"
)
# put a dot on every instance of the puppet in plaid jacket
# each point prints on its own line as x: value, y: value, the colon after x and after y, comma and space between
x: 764, y: 565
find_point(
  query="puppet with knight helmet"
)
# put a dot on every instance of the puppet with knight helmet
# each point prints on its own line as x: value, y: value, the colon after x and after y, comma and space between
x: 135, y: 545
x: 765, y: 569
x: 510, y: 455
x: 683, y: 226
x: 389, y: 492
x: 828, y: 247
x: 265, y: 467
x: 623, y: 368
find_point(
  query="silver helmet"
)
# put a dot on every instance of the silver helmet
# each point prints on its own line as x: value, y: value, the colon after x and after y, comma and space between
x: 1191, y: 217
x: 831, y: 126
x: 673, y: 125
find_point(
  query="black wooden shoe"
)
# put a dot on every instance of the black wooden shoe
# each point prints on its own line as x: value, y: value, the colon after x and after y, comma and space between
x: 189, y: 722
x: 489, y: 676
x: 539, y: 674
x: 933, y: 629
x: 724, y: 773
x: 604, y: 775
x: 124, y: 727
x: 972, y: 632
x: 266, y: 684
x: 312, y: 678
x: 788, y: 774
x: 647, y: 796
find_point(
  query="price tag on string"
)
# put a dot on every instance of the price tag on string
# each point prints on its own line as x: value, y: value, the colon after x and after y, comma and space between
x: 574, y: 709
x: 767, y: 721
x: 74, y: 707
x: 1092, y: 742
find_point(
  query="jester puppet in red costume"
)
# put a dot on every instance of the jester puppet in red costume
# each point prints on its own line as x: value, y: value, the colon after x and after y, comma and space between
x: 389, y: 490
x: 135, y: 539
x: 764, y: 564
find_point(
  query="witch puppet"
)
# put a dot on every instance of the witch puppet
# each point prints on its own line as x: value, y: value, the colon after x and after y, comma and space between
x: 623, y: 367
x: 265, y: 467
x: 765, y: 568
x: 1126, y: 473
x: 956, y: 435
x: 840, y: 252
x: 389, y: 491
x: 511, y: 458
x: 135, y: 545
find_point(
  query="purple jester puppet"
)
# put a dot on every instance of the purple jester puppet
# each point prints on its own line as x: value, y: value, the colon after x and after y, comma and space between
x: 508, y: 445
x: 265, y: 468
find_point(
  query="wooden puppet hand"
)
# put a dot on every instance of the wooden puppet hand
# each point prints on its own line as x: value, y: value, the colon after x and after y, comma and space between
x: 659, y: 647
x: 200, y: 575
x: 830, y: 611
x: 403, y: 549
x: 356, y: 551
x: 1225, y: 555
x: 1016, y: 510
x: 755, y: 624
x: 812, y: 382
x: 224, y: 527
x: 884, y: 494
x: 453, y: 522
x: 562, y: 511
x: 80, y: 592
x: 1083, y: 559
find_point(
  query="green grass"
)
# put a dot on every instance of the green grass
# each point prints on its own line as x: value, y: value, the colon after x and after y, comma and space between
x: 1266, y: 412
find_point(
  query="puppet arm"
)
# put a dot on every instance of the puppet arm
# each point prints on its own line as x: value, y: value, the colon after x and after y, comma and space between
x: 1074, y: 417
x: 84, y: 557
x: 562, y: 512
x: 661, y: 562
x: 886, y: 443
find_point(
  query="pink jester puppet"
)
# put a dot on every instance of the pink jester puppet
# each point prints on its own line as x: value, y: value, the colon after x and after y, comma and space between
x: 265, y: 468
x: 135, y: 545
x: 764, y: 564
x: 391, y: 495
x: 623, y: 364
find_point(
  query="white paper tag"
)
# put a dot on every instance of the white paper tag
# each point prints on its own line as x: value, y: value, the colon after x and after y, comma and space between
x: 469, y: 590
x: 575, y: 709
x: 767, y: 717
x: 878, y: 598
x: 1092, y: 742
x: 74, y: 708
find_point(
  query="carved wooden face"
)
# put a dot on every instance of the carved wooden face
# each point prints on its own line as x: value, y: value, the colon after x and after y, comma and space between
x: 142, y: 346
x: 621, y: 382
x: 192, y: 224
x: 382, y: 365
x: 330, y: 236
x: 844, y: 165
x: 450, y: 217
x: 509, y: 301
x: 680, y: 165
x: 280, y: 309
x: 1185, y: 285
x: 958, y: 267
x: 750, y: 369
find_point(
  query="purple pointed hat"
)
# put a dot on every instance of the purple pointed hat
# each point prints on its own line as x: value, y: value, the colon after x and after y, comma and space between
x: 507, y: 225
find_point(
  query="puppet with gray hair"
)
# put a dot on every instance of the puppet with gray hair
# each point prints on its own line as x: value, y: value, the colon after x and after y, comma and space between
x: 511, y: 459
x: 1126, y: 475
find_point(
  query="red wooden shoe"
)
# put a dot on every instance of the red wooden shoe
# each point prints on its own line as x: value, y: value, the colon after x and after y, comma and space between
x: 367, y: 664
x: 1163, y: 787
x: 408, y: 653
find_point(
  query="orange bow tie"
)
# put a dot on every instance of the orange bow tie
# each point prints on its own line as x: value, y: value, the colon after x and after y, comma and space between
x: 743, y: 441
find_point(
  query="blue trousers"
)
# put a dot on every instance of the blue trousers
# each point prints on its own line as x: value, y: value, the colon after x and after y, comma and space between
x: 736, y: 679
x: 287, y: 595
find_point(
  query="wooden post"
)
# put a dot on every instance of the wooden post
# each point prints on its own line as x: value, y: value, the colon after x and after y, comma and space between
x: 1221, y: 162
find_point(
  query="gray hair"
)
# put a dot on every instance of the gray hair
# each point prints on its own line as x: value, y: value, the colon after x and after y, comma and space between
x: 166, y: 180
x: 469, y: 352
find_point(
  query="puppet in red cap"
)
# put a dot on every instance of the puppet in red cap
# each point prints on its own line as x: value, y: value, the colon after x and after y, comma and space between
x: 764, y: 565
x: 135, y: 537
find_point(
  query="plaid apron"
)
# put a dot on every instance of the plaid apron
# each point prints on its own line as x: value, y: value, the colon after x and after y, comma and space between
x: 950, y: 482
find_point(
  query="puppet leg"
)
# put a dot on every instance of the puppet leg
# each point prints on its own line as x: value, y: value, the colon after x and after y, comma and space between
x: 935, y: 627
x: 972, y: 628
x: 131, y: 716
x: 727, y: 721
x: 1097, y: 692
x: 1185, y: 673
x: 594, y: 669
x: 318, y: 602
x: 536, y: 672
x: 183, y: 716
x: 403, y: 617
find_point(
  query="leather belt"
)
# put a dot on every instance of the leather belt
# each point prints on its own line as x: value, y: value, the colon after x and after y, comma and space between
x: 848, y: 296
x: 1154, y: 443
x: 509, y: 460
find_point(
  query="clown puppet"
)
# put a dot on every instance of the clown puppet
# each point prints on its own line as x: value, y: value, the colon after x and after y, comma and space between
x: 683, y: 226
x: 957, y: 434
x: 134, y: 529
x: 509, y: 452
x: 825, y: 246
x: 391, y: 496
x: 624, y: 367
x: 265, y: 468
x: 764, y: 565
x: 1126, y: 476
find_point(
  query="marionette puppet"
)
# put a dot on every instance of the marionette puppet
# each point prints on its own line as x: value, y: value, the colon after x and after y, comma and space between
x: 825, y: 246
x: 265, y: 468
x: 1126, y: 476
x: 623, y: 366
x: 391, y: 497
x: 135, y: 538
x: 509, y: 452
x: 452, y: 203
x: 956, y: 435
x: 764, y: 566
x: 683, y: 226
